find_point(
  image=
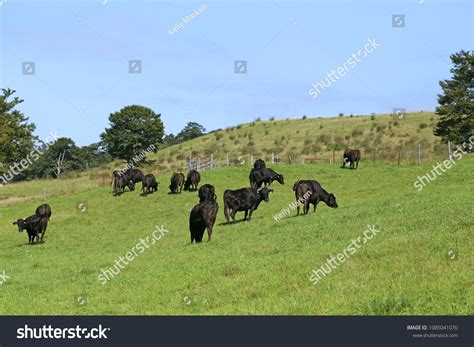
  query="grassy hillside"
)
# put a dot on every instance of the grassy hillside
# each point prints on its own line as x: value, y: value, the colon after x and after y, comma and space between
x: 419, y: 263
x: 315, y: 139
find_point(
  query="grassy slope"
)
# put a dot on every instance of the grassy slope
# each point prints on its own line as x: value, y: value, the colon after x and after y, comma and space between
x: 259, y: 267
x: 313, y: 136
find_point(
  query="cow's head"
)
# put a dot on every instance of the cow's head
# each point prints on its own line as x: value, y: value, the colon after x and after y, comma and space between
x: 131, y: 185
x: 21, y: 224
x: 264, y: 193
x: 280, y: 179
x: 331, y: 201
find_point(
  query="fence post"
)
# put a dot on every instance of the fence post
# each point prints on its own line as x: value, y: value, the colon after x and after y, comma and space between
x: 303, y: 161
x: 334, y: 156
x: 212, y: 161
x: 399, y: 153
x: 273, y: 158
x: 373, y: 159
x: 449, y: 150
x: 251, y: 159
x: 227, y: 159
x: 419, y: 153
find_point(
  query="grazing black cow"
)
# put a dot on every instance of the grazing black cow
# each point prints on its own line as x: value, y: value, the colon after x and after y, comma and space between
x: 34, y: 225
x: 203, y: 216
x: 44, y: 211
x: 192, y: 181
x: 351, y: 156
x: 177, y: 182
x: 259, y: 164
x: 264, y: 176
x: 120, y: 181
x: 310, y: 192
x: 245, y: 199
x: 207, y: 192
x: 135, y: 175
x: 151, y: 185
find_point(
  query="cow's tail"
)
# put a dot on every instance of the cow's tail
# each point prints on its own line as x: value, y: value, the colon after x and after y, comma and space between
x: 226, y: 208
x: 296, y: 184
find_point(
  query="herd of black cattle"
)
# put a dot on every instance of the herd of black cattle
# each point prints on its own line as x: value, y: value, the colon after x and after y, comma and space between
x: 203, y: 215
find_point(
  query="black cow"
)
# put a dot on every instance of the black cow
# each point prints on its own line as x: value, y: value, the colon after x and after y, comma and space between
x: 259, y: 164
x: 192, y: 181
x: 177, y: 182
x: 264, y: 176
x: 245, y: 199
x: 203, y: 216
x: 151, y: 185
x: 310, y: 192
x: 135, y: 175
x: 34, y: 225
x: 207, y: 193
x: 120, y: 180
x: 351, y: 156
x: 44, y: 211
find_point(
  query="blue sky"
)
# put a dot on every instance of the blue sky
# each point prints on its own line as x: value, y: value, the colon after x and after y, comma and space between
x: 82, y: 50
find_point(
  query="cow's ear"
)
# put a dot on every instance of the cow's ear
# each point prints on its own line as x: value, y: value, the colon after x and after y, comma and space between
x: 14, y: 223
x: 270, y: 190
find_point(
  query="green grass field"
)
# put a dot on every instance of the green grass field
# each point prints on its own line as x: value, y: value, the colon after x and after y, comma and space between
x: 421, y: 262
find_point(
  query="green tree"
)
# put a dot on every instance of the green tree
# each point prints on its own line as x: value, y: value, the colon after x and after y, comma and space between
x: 190, y: 131
x: 16, y: 134
x: 456, y: 104
x: 132, y: 129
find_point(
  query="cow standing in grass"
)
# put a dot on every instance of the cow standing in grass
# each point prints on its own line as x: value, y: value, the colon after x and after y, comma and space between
x: 192, y: 181
x: 351, y: 156
x: 151, y: 185
x: 177, y: 183
x: 303, y: 188
x: 203, y: 215
x: 264, y: 176
x: 35, y: 226
x: 120, y: 180
x: 245, y: 199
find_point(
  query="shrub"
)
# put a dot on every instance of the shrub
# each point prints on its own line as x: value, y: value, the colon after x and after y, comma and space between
x: 271, y: 119
x: 267, y: 132
x: 232, y: 137
x: 341, y: 114
x: 180, y: 157
x: 308, y: 141
x: 372, y: 117
x: 304, y: 117
x: 423, y: 125
x: 357, y: 132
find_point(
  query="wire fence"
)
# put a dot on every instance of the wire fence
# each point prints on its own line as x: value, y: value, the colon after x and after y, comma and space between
x: 400, y: 156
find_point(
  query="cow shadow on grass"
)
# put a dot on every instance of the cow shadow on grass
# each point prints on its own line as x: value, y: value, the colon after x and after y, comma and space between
x: 238, y: 221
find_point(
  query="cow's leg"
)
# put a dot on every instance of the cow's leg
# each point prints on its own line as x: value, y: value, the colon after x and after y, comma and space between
x: 246, y: 214
x: 315, y: 205
x: 226, y: 213
x: 306, y: 207
x: 343, y: 163
x: 209, y: 232
x: 250, y: 214
x: 297, y: 208
x: 233, y: 213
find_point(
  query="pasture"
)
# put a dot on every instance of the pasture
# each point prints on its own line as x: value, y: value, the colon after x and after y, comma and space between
x: 420, y: 263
